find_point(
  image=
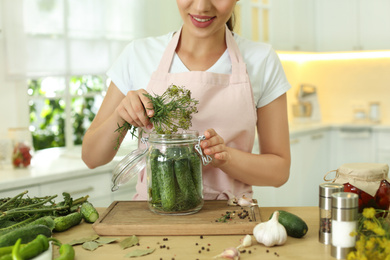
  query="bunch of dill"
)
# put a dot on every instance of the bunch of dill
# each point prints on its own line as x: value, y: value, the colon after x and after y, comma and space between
x: 172, y: 111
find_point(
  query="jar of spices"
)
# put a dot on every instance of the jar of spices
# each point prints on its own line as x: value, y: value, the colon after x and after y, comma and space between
x: 325, y: 205
x: 344, y: 223
x: 173, y: 169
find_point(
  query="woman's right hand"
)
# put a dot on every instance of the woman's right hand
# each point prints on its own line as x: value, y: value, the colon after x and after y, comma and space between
x: 136, y: 109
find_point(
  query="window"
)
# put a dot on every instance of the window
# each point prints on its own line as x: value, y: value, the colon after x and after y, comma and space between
x: 62, y: 49
x: 61, y: 110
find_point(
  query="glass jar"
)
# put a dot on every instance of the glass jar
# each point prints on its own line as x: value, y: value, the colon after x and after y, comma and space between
x: 369, y: 181
x: 22, y: 149
x: 173, y: 169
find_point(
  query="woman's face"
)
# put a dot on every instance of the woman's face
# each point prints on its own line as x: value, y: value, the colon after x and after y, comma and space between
x: 205, y: 17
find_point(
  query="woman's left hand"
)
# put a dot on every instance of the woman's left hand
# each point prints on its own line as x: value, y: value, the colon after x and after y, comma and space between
x: 214, y: 146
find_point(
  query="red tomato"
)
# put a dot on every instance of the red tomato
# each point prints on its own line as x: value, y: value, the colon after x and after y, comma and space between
x: 382, y: 195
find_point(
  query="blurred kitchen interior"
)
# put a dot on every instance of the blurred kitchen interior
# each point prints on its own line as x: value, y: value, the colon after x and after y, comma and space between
x: 342, y: 47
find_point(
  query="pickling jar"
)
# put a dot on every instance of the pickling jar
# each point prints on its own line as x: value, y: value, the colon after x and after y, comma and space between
x: 369, y: 181
x: 173, y: 165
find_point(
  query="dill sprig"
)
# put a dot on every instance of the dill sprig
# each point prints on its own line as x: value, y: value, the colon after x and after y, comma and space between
x: 172, y: 111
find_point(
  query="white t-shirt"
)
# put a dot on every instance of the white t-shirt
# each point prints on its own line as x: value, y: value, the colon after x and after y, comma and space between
x: 133, y: 68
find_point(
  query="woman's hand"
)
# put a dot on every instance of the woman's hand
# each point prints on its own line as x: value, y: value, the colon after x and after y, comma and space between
x: 136, y: 108
x: 214, y: 146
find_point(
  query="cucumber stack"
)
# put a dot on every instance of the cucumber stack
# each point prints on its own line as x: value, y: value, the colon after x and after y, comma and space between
x: 176, y: 179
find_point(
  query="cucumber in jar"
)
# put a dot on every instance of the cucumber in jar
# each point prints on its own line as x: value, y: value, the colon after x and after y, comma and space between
x: 166, y: 182
x: 155, y: 189
x: 189, y: 196
x: 196, y: 172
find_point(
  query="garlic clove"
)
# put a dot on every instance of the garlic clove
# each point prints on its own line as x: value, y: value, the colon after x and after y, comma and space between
x: 245, y: 242
x: 244, y: 201
x: 232, y: 202
x: 229, y: 253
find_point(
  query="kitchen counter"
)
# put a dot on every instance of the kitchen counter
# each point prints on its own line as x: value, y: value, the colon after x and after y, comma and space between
x: 184, y: 247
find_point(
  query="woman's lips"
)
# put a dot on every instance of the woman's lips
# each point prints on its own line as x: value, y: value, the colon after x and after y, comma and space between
x: 201, y: 21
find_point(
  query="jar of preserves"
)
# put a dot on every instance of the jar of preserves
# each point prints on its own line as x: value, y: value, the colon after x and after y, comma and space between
x: 369, y: 181
x: 22, y: 149
x: 173, y: 169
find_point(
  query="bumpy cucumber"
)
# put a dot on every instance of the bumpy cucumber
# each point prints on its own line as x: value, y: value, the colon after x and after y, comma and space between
x: 196, y: 172
x: 26, y: 233
x: 294, y: 225
x: 186, y: 184
x: 166, y: 182
x: 89, y: 213
x: 65, y: 222
x: 155, y: 190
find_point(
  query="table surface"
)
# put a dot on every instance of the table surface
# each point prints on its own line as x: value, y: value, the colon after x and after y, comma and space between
x: 206, y: 247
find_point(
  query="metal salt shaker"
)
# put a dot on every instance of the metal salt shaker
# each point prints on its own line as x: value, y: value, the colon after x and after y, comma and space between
x: 325, y: 205
x: 344, y: 222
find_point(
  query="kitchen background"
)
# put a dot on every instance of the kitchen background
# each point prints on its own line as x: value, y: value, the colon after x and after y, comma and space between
x: 342, y: 47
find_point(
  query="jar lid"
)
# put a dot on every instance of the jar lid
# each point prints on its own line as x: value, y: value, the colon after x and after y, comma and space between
x: 128, y: 168
x: 328, y: 188
x: 345, y: 200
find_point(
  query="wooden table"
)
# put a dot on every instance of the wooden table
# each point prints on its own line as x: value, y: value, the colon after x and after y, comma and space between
x: 188, y: 247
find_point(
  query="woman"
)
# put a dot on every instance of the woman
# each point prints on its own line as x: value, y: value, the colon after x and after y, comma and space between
x: 239, y: 84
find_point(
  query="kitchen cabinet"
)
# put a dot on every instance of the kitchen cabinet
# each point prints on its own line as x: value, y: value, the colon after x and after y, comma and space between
x: 345, y: 25
x: 33, y: 191
x: 309, y: 164
x: 352, y: 145
x: 96, y: 186
x: 292, y: 26
x: 383, y: 146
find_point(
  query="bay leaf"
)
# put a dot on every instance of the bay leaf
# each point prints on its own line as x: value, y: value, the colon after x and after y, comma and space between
x: 139, y: 252
x: 106, y: 240
x: 91, y: 245
x: 128, y: 242
x: 83, y: 240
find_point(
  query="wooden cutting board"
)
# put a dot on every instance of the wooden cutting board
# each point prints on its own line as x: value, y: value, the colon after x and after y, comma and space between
x: 125, y: 218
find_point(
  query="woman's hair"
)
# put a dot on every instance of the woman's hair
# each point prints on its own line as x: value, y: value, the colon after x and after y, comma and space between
x: 231, y: 22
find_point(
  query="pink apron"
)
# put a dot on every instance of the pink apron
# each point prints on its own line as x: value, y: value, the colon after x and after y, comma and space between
x: 225, y: 103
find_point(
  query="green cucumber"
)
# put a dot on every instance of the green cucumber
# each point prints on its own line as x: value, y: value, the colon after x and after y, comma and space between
x: 196, y: 172
x: 46, y: 220
x: 26, y: 233
x: 188, y: 192
x: 65, y: 222
x: 294, y: 225
x: 89, y: 213
x: 155, y: 190
x: 167, y: 185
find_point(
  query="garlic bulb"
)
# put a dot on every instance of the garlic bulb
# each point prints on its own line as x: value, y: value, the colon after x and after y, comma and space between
x: 270, y: 233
